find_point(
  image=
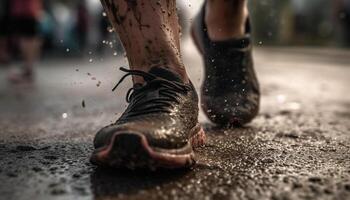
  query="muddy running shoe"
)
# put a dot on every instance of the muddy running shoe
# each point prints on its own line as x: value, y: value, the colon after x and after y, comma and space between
x: 158, y: 129
x: 230, y: 92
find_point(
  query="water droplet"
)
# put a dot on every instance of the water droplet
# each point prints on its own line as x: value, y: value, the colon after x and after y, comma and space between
x: 281, y: 98
x: 110, y: 29
x: 64, y: 115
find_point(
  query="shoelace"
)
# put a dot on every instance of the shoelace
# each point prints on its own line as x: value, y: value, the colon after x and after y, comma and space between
x: 136, y: 95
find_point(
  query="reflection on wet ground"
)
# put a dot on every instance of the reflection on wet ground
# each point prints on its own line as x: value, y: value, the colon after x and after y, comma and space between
x: 111, y: 182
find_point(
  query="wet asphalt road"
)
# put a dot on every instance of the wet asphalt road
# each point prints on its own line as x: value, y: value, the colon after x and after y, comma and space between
x: 297, y: 148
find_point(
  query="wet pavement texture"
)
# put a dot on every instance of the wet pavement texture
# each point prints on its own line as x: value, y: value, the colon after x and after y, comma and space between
x: 297, y: 148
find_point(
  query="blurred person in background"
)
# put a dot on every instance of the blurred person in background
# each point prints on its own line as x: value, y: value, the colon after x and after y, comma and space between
x: 47, y: 27
x: 4, y: 31
x: 82, y: 26
x: 342, y: 14
x: 25, y: 18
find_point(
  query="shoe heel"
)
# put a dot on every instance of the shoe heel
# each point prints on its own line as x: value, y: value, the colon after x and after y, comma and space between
x: 199, y: 139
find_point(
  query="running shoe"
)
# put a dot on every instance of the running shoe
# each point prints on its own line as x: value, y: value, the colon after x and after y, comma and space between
x: 159, y: 128
x: 230, y: 94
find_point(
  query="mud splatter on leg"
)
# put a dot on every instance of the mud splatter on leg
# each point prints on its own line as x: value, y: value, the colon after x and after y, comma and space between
x: 149, y: 31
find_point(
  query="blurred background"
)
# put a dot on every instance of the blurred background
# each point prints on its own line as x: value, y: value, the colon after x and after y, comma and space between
x: 77, y: 27
x: 68, y: 48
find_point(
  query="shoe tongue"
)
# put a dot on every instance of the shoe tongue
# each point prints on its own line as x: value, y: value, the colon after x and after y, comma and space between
x: 165, y: 74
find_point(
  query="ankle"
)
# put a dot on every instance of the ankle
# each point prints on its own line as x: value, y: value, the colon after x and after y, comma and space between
x: 226, y: 20
x: 181, y: 71
x: 175, y: 67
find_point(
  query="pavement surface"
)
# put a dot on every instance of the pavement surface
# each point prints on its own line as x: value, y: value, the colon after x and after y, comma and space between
x: 297, y: 148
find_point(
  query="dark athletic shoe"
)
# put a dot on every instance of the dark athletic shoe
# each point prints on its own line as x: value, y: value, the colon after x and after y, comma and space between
x: 230, y: 92
x: 158, y: 129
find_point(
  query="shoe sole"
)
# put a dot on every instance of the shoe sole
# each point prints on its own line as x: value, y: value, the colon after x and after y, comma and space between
x: 133, y: 151
x: 230, y: 121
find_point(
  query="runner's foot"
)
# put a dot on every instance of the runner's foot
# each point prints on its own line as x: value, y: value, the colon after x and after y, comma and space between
x: 230, y: 92
x: 158, y: 129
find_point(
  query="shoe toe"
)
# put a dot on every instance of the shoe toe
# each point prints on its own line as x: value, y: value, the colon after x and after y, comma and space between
x: 160, y: 135
x: 231, y: 110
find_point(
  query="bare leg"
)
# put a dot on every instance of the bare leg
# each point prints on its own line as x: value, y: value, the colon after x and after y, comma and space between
x: 226, y: 19
x: 30, y: 48
x: 150, y: 33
